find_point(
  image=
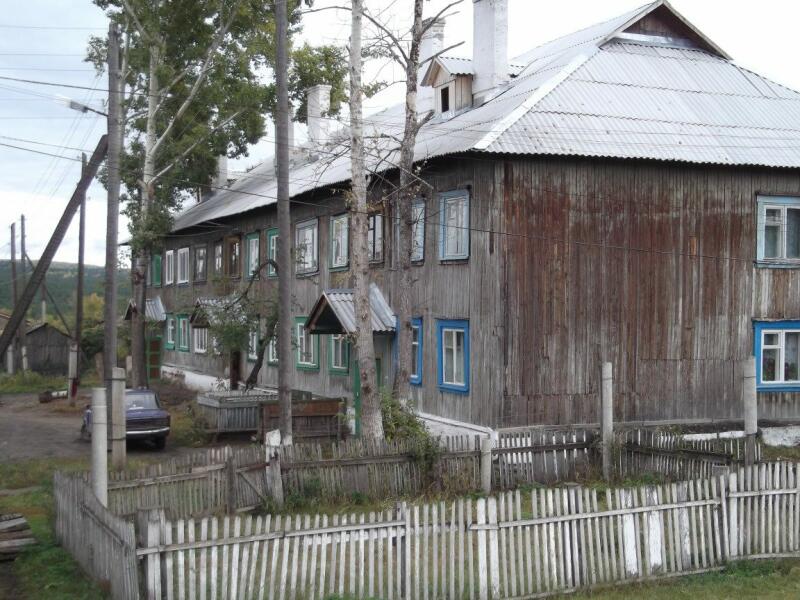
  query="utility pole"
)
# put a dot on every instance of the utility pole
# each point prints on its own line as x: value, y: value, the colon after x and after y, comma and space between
x: 11, y: 358
x: 284, y: 225
x: 118, y: 450
x: 79, y: 291
x: 37, y: 277
x: 22, y: 328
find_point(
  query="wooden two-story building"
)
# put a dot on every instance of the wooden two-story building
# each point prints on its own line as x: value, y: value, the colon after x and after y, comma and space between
x: 626, y: 193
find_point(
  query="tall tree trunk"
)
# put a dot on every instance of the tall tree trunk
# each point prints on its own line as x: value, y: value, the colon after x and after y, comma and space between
x: 403, y: 211
x: 138, y: 322
x: 371, y: 420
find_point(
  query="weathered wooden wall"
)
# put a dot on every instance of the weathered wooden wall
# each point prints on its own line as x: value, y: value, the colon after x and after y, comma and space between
x: 48, y: 350
x: 650, y: 266
x: 572, y: 262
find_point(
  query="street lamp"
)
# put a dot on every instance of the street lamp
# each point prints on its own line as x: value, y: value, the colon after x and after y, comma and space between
x: 79, y: 106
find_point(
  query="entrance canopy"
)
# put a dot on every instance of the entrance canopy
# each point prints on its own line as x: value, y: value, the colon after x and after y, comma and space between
x: 335, y: 313
x: 154, y: 310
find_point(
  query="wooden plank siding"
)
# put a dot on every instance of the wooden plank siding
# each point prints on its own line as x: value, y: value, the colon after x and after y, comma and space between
x: 572, y: 262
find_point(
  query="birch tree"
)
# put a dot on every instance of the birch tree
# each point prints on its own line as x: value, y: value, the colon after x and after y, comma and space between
x: 371, y: 419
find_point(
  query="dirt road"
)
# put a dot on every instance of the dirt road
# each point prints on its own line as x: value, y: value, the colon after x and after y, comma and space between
x: 31, y: 430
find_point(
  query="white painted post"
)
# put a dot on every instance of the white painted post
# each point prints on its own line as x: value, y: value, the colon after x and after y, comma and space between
x: 629, y: 537
x: 733, y: 517
x: 483, y: 564
x: 118, y: 426
x: 72, y: 372
x: 494, y: 549
x: 24, y: 357
x: 750, y: 410
x: 129, y: 365
x: 607, y: 417
x: 99, y: 445
x: 10, y: 359
x: 486, y: 465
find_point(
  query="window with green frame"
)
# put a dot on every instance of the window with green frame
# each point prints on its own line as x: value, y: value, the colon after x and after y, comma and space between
x: 169, y: 335
x: 183, y: 333
x: 272, y: 251
x: 338, y: 354
x: 306, y: 347
x: 252, y: 247
x: 155, y: 267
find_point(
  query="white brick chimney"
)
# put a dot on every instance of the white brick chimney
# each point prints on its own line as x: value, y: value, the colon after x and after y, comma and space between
x: 490, y: 47
x: 318, y: 100
x: 221, y: 178
x: 432, y: 44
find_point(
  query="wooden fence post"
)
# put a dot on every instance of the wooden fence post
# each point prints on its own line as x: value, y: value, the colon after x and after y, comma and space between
x: 733, y: 516
x: 149, y: 528
x: 629, y: 536
x: 607, y: 417
x: 230, y: 485
x: 486, y: 465
x: 494, y: 549
x: 483, y: 565
x: 275, y: 480
x: 750, y: 410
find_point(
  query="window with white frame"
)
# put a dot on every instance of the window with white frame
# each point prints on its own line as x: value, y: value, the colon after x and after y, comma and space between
x: 339, y: 241
x: 306, y: 245
x: 454, y: 232
x: 200, y: 335
x: 778, y: 355
x: 418, y: 230
x: 200, y: 264
x: 272, y: 251
x: 339, y: 358
x: 307, y: 346
x: 252, y: 343
x: 253, y: 253
x: 272, y: 351
x: 183, y: 333
x: 375, y: 237
x: 169, y: 267
x: 453, y: 341
x: 416, y: 352
x: 779, y: 229
x: 183, y: 265
x: 170, y: 332
x: 219, y: 260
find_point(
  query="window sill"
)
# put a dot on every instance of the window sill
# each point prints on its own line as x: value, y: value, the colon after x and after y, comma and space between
x: 307, y: 367
x: 777, y: 264
x: 169, y: 346
x: 306, y: 274
x: 199, y: 282
x: 202, y: 352
x: 340, y: 372
x: 778, y: 387
x: 453, y: 389
x: 272, y: 363
x: 183, y: 350
x: 339, y: 269
x: 454, y: 261
x: 416, y: 382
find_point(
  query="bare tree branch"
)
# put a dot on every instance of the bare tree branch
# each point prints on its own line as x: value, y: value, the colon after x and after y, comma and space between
x: 138, y: 24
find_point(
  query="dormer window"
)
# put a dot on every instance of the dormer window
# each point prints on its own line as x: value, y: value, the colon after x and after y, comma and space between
x: 445, y: 99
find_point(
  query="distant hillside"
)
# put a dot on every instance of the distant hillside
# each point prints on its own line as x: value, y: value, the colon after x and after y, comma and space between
x: 62, y: 281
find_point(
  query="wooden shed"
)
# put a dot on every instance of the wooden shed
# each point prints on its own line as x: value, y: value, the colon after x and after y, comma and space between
x: 48, y: 350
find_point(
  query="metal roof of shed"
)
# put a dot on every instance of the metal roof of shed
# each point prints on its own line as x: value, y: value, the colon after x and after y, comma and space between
x: 342, y: 305
x: 592, y: 94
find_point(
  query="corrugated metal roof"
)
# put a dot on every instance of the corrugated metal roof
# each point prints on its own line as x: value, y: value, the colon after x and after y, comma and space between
x: 153, y: 309
x: 586, y: 94
x: 343, y: 305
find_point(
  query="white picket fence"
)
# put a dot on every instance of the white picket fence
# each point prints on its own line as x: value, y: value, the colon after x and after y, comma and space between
x: 513, y: 545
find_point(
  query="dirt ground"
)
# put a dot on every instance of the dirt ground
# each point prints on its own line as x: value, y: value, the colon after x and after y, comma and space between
x: 31, y: 430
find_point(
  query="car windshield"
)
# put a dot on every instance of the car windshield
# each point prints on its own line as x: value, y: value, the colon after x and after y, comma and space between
x: 141, y: 400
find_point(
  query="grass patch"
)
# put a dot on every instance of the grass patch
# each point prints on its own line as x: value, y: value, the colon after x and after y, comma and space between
x: 45, y: 571
x: 187, y: 427
x: 770, y: 453
x: 29, y: 382
x: 771, y: 579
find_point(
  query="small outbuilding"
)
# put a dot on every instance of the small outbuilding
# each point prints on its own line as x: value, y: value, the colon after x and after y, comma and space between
x: 48, y: 350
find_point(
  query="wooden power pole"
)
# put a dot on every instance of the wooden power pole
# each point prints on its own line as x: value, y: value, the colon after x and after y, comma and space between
x: 79, y: 290
x: 284, y: 226
x: 37, y: 277
x: 12, y: 359
x: 22, y: 329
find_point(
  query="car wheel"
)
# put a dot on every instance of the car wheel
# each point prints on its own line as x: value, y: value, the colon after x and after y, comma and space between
x: 160, y: 442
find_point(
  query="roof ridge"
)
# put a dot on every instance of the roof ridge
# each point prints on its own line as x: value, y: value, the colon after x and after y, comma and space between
x: 536, y: 96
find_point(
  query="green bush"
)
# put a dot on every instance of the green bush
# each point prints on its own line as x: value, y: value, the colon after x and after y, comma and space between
x: 30, y: 382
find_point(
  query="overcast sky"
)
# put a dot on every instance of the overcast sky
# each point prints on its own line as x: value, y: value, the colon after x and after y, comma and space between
x: 46, y: 39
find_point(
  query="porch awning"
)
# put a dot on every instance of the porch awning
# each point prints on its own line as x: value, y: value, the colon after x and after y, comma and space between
x: 335, y: 313
x: 199, y: 316
x: 153, y: 310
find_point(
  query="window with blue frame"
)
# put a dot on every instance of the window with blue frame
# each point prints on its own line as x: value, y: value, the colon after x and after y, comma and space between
x: 452, y: 340
x: 454, y: 225
x: 416, y: 352
x: 777, y: 351
x: 778, y: 231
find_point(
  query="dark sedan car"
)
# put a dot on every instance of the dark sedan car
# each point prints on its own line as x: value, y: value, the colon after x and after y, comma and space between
x: 144, y: 418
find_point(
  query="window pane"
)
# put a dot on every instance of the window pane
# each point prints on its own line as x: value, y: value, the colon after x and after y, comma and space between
x: 790, y: 357
x: 459, y: 357
x: 455, y: 216
x: 418, y: 232
x: 772, y: 339
x: 792, y: 233
x: 769, y: 360
x: 448, y: 358
x: 414, y: 351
